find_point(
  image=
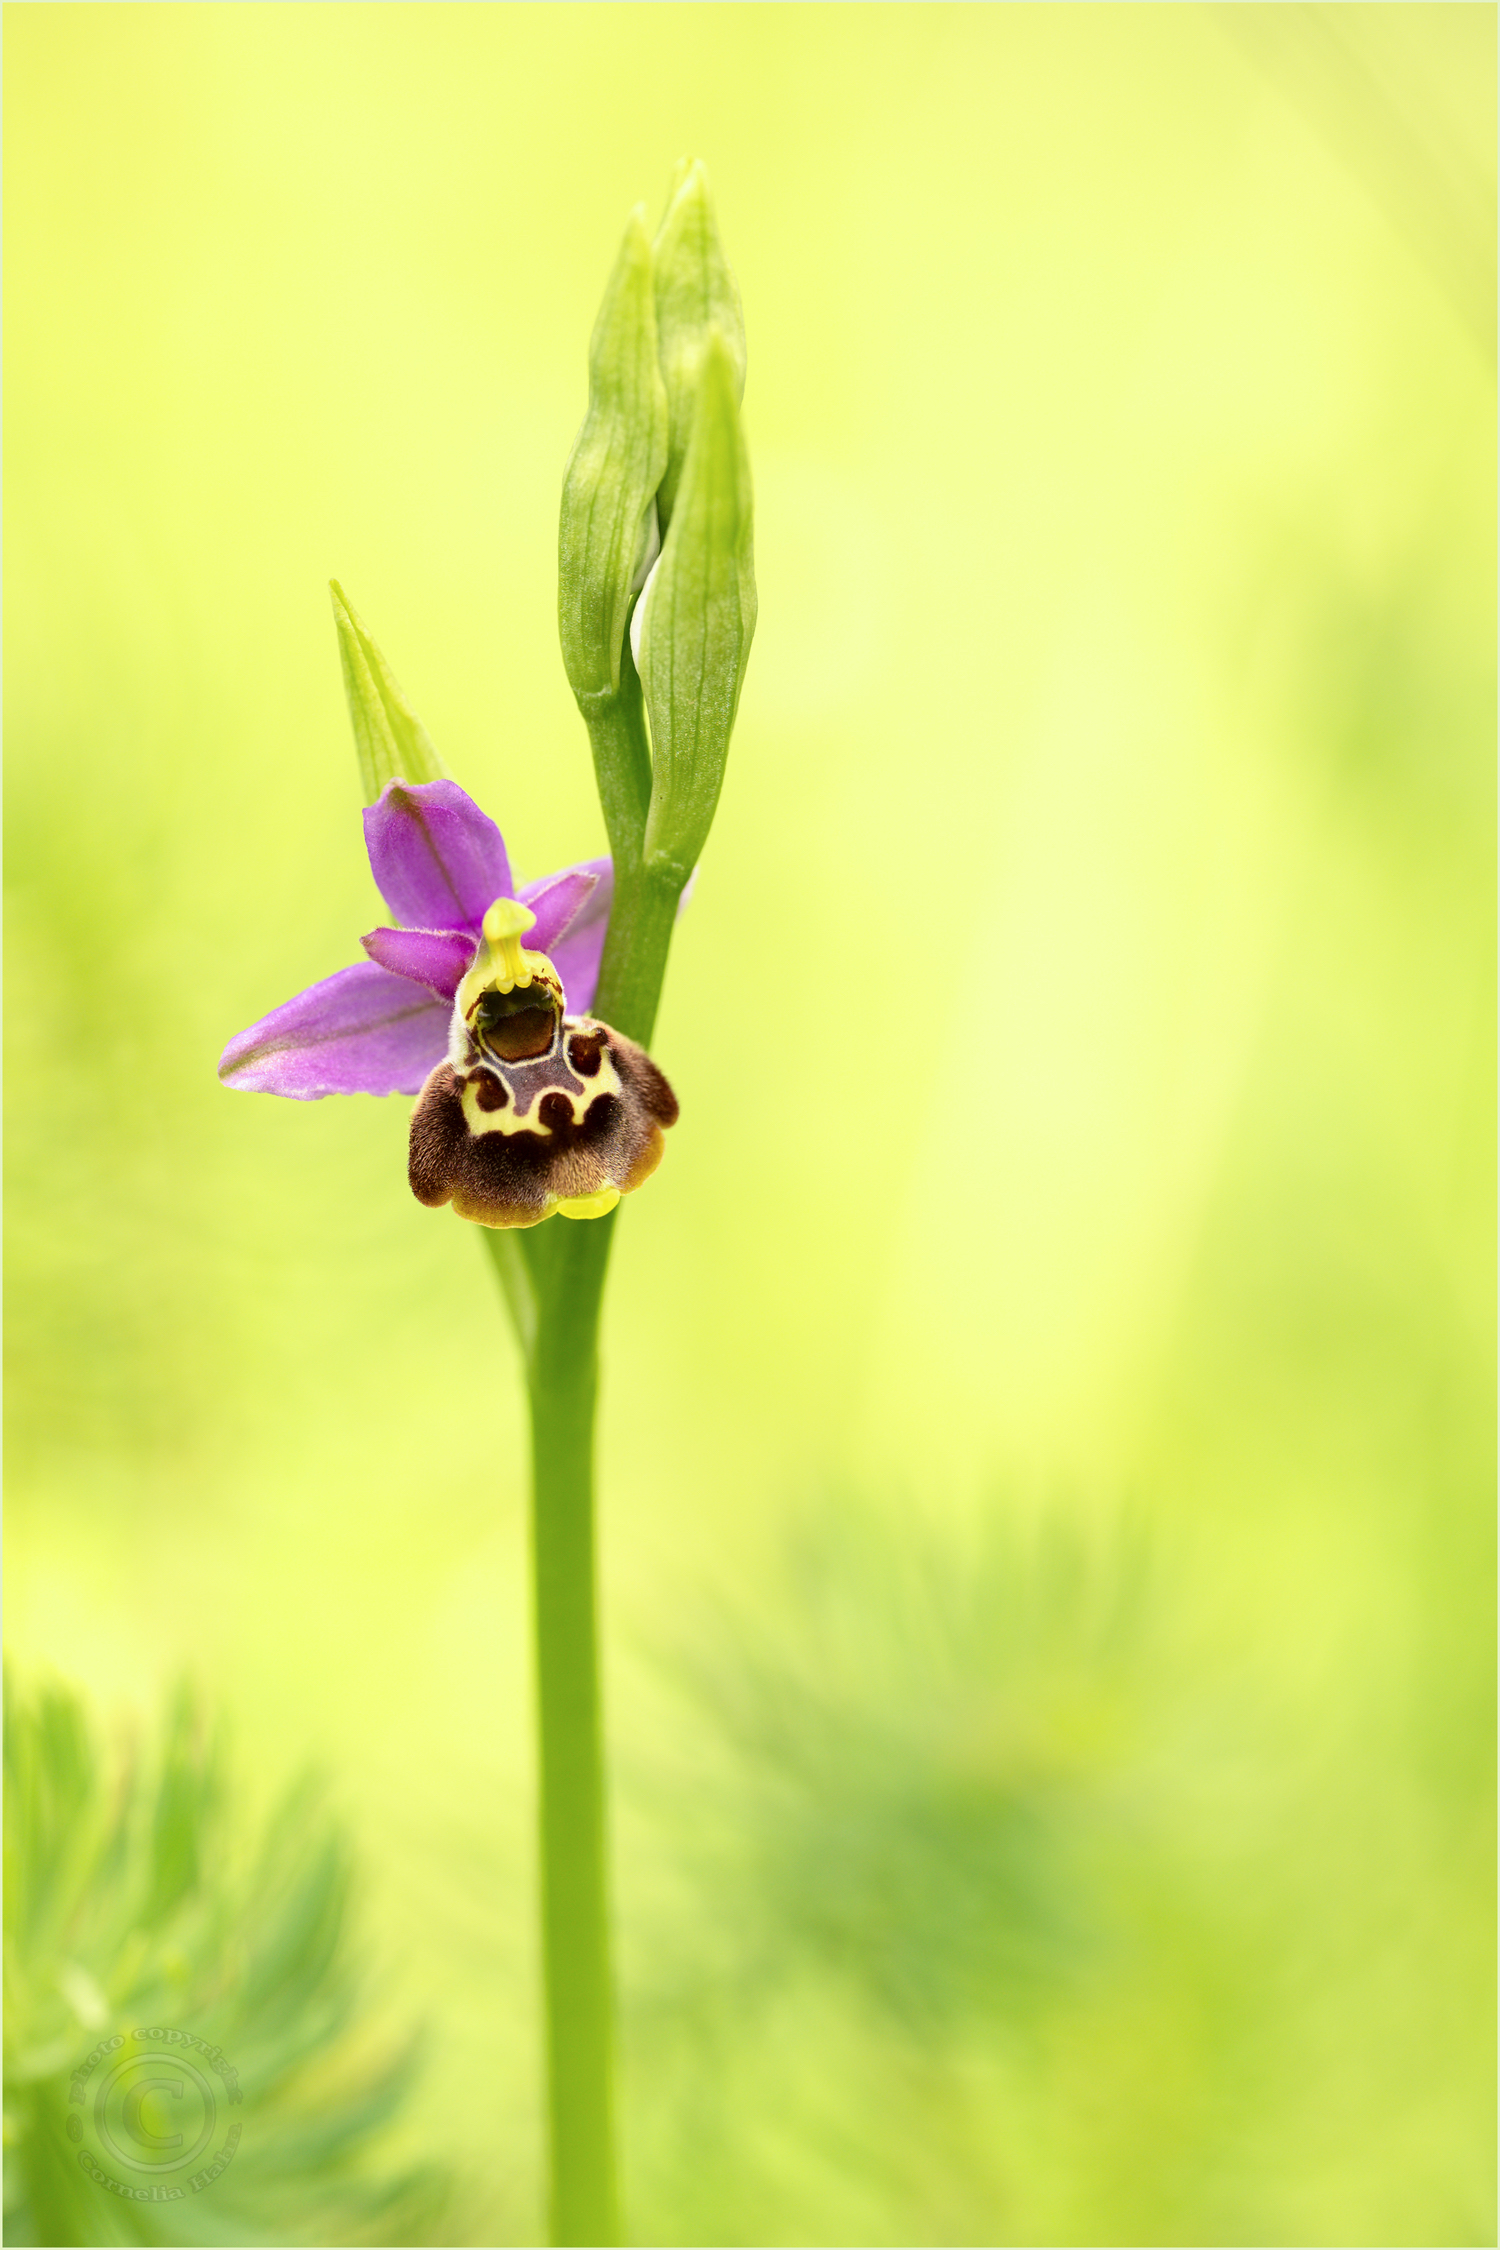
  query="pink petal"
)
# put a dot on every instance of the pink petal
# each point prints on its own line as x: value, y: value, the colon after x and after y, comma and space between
x: 361, y: 1031
x: 437, y: 958
x: 569, y: 900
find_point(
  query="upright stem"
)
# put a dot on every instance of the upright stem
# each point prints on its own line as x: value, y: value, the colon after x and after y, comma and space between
x: 575, y: 1927
x: 553, y: 1279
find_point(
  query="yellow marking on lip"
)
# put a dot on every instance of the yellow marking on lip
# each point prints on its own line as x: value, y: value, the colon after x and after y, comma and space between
x: 512, y: 1119
x: 588, y: 1206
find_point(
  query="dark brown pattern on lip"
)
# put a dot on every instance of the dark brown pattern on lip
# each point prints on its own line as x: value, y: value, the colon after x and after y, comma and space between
x: 519, y: 1037
x: 519, y: 1025
x: 489, y: 1091
x: 516, y: 1179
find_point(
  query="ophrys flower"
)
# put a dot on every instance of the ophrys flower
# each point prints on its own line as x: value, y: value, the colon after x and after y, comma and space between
x: 528, y: 1105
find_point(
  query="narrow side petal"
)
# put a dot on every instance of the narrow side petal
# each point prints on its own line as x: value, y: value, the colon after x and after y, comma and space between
x: 573, y: 898
x: 361, y: 1031
x: 437, y: 859
x: 439, y: 959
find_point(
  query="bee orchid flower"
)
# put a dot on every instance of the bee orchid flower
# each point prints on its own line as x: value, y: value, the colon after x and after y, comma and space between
x: 528, y: 1105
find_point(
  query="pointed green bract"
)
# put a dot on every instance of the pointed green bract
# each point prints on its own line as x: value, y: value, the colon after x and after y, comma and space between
x: 608, y: 527
x: 695, y: 294
x: 698, y: 622
x: 390, y: 739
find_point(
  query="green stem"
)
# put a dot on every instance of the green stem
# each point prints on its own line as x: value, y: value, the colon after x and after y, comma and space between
x: 636, y: 947
x: 563, y: 1383
x: 553, y: 1280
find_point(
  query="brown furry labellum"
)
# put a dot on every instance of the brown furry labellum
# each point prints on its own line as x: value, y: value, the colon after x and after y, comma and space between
x: 534, y: 1112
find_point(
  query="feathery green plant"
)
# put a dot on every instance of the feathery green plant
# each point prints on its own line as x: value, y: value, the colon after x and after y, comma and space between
x: 133, y: 1897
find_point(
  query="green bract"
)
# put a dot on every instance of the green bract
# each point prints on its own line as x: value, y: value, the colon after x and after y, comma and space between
x: 391, y: 740
x: 607, y: 534
x: 699, y: 615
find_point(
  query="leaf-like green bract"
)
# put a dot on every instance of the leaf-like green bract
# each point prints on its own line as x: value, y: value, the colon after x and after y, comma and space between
x: 391, y: 741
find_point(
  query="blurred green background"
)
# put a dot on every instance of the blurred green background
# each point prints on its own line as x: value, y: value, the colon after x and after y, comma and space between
x: 1046, y: 1438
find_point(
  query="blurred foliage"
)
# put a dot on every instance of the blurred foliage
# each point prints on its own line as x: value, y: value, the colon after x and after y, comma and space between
x: 911, y: 1738
x: 1123, y: 428
x: 130, y: 1897
x: 970, y: 1915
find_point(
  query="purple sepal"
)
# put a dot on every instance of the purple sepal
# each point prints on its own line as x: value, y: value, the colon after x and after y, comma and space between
x: 439, y: 959
x: 437, y: 859
x: 361, y: 1031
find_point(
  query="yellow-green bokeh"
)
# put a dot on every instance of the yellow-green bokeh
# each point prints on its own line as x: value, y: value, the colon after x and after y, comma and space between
x: 1081, y: 1025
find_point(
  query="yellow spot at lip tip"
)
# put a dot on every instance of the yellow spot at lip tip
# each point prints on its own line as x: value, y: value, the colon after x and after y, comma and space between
x: 505, y: 924
x: 588, y: 1206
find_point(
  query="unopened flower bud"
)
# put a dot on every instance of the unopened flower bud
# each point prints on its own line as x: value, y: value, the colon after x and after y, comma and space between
x: 608, y: 533
x: 697, y: 616
x: 696, y: 293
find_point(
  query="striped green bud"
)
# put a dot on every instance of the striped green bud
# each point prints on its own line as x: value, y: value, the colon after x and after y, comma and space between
x: 695, y: 294
x: 607, y: 536
x: 695, y: 620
